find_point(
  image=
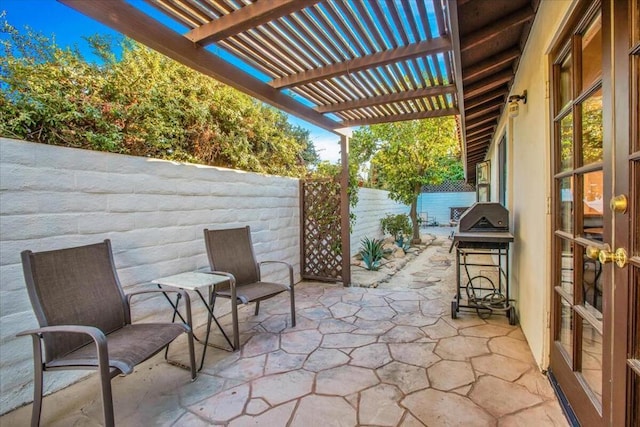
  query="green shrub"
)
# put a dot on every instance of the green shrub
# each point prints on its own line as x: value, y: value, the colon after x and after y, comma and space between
x: 399, y: 227
x: 371, y: 253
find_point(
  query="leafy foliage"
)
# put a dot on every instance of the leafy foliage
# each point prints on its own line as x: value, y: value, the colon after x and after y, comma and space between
x: 404, y: 156
x: 371, y: 251
x: 399, y: 227
x: 142, y: 104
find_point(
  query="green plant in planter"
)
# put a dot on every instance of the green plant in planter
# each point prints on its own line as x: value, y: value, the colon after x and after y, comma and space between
x: 371, y: 253
x: 399, y: 227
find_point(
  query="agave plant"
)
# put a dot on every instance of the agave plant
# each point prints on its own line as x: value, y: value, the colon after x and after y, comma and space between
x: 371, y: 252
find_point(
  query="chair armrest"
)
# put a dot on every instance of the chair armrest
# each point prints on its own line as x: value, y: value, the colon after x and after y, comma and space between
x: 283, y: 263
x: 96, y: 334
x: 181, y: 292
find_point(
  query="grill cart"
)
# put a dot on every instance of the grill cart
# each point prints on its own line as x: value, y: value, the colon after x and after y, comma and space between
x: 482, y: 262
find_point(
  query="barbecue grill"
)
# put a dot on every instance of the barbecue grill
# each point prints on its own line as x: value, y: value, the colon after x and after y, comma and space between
x: 482, y: 241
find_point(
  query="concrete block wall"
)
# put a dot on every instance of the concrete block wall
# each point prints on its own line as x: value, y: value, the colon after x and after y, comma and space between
x: 373, y: 205
x: 154, y: 213
x: 436, y: 205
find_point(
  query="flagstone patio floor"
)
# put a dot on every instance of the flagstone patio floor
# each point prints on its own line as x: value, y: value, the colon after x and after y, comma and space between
x: 385, y: 356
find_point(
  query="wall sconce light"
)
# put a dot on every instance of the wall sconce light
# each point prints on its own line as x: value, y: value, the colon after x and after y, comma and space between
x: 514, y: 109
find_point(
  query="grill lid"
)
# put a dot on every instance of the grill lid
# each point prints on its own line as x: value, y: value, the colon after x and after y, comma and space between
x: 484, y: 217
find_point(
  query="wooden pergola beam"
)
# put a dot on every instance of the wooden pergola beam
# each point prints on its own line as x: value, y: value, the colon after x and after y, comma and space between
x: 249, y: 16
x: 128, y: 20
x: 401, y: 117
x: 427, y: 47
x: 387, y: 99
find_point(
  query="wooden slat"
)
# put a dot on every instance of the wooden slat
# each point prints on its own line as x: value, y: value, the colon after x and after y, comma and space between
x: 385, y: 99
x: 494, y: 30
x: 370, y: 26
x: 128, y: 20
x: 250, y: 16
x: 357, y: 64
x: 400, y: 117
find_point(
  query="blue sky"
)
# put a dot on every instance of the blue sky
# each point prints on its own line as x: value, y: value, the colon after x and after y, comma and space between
x: 67, y: 26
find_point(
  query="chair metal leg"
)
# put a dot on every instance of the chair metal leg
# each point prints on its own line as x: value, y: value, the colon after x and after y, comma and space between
x: 293, y: 308
x: 107, y: 398
x: 37, y: 381
x: 257, y: 308
x: 234, y: 319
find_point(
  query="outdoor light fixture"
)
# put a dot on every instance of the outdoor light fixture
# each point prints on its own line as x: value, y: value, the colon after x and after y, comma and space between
x: 514, y: 109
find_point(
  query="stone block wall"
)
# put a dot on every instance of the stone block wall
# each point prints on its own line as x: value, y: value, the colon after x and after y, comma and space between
x: 153, y: 211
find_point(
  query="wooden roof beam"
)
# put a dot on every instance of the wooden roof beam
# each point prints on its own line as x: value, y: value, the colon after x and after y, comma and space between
x: 486, y: 134
x: 480, y: 121
x: 401, y: 117
x: 500, y: 93
x: 485, y: 85
x: 245, y: 18
x: 483, y: 109
x: 489, y: 32
x: 479, y: 131
x: 128, y: 20
x: 387, y: 99
x: 427, y: 47
x: 491, y: 65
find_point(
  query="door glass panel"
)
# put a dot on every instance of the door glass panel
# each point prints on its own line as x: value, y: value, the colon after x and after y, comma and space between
x: 566, y: 204
x: 592, y: 358
x: 565, y: 335
x: 565, y: 83
x: 566, y: 267
x: 592, y: 128
x: 592, y: 282
x: 593, y: 205
x: 592, y: 53
x: 566, y: 143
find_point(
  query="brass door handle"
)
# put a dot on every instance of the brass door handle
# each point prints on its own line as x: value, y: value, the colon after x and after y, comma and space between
x: 620, y: 256
x: 619, y: 204
x: 592, y: 252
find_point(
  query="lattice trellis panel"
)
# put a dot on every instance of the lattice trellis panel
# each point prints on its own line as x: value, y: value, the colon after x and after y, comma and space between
x: 321, y: 230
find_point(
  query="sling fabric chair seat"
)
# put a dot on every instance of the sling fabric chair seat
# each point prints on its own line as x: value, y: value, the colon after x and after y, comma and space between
x: 85, y: 319
x: 231, y: 253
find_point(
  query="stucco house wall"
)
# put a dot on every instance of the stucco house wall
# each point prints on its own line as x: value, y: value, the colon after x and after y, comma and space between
x: 528, y: 139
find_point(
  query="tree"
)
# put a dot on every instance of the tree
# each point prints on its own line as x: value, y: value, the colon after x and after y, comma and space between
x: 407, y: 155
x: 139, y: 103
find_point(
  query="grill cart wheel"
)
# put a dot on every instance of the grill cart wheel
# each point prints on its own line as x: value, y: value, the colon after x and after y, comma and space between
x: 454, y: 310
x: 511, y: 314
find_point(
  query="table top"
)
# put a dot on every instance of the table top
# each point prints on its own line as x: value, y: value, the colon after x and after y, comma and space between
x: 192, y: 280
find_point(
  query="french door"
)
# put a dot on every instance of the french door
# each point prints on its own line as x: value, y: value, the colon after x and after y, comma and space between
x: 595, y: 354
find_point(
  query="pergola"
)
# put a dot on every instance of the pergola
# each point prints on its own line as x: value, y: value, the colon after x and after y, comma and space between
x: 345, y: 63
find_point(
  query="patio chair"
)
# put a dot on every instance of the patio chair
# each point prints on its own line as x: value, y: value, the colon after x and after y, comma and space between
x: 230, y: 253
x: 85, y: 319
